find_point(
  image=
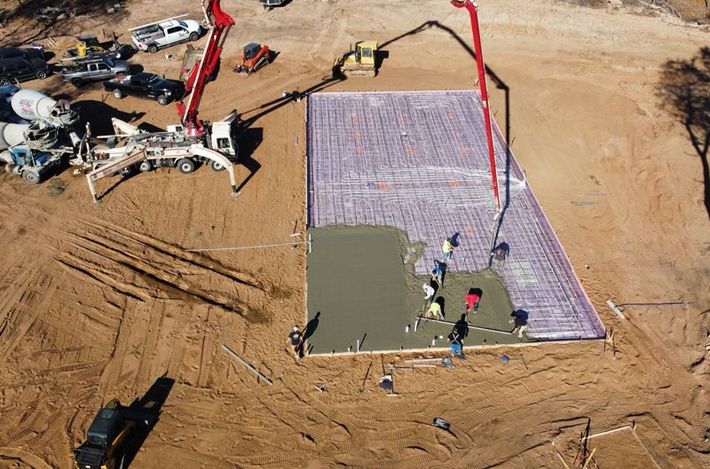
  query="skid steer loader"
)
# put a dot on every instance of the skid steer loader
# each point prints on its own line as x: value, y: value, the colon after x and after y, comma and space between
x: 253, y: 58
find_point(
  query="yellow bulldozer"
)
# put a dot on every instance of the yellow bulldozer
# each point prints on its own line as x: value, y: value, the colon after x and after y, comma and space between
x: 360, y: 62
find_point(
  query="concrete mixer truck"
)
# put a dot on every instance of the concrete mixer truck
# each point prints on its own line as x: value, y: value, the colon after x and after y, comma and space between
x: 36, y: 132
x: 32, y: 105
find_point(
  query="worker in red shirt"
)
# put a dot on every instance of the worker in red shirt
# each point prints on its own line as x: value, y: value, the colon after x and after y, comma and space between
x: 472, y: 298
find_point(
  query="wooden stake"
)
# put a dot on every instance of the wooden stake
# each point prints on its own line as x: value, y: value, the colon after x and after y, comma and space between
x: 367, y: 373
x: 615, y: 309
x: 625, y: 427
x: 562, y: 460
x: 523, y: 358
x: 411, y: 367
x: 248, y: 365
x: 589, y: 458
x: 609, y: 340
x: 633, y: 432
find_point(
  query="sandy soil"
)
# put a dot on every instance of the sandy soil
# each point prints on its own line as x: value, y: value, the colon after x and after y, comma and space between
x: 98, y: 301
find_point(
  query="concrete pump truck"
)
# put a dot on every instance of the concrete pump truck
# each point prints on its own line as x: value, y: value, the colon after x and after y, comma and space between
x: 183, y: 146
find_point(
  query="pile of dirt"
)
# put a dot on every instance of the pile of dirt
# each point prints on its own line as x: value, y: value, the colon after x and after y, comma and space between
x: 696, y: 11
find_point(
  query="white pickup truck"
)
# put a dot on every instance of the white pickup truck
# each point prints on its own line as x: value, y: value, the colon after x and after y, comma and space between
x: 154, y: 36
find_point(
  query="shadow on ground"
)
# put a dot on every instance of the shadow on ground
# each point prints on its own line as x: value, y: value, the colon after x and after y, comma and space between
x: 684, y: 91
x: 147, y: 409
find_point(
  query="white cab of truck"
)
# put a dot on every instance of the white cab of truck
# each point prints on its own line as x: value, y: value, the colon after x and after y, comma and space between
x: 155, y: 36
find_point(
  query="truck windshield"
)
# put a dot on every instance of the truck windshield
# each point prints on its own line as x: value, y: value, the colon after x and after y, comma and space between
x: 182, y: 23
x: 97, y: 440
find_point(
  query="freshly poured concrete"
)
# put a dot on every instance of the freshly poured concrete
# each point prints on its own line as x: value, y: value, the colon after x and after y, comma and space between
x: 361, y: 285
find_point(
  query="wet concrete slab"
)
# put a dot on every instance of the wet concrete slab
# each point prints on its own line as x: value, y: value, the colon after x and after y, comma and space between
x: 362, y: 286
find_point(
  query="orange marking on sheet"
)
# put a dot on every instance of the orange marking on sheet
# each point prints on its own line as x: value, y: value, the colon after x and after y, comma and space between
x: 454, y: 182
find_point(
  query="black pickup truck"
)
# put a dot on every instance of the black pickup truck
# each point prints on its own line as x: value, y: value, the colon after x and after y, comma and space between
x: 146, y: 85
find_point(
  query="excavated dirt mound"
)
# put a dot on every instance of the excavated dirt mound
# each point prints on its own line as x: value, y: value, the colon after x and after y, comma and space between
x: 99, y: 301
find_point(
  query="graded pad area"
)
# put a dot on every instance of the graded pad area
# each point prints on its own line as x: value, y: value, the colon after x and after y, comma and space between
x: 417, y: 161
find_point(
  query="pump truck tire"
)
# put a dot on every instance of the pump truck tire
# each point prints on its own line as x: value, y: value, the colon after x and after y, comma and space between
x: 216, y: 166
x: 185, y: 165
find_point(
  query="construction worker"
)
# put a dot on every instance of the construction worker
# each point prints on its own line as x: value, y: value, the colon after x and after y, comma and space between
x: 456, y: 343
x: 295, y: 339
x: 448, y: 250
x: 471, y: 300
x: 437, y: 274
x: 520, y: 322
x: 434, y: 311
x: 386, y: 382
x: 429, y: 293
x: 499, y: 254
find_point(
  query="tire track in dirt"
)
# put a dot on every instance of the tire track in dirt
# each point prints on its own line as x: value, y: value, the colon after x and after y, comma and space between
x: 167, y: 339
x: 50, y: 324
x: 8, y: 310
x: 177, y: 347
x: 33, y: 293
x: 39, y: 419
x: 159, y: 270
x: 173, y: 252
x: 84, y: 270
x: 13, y: 455
x: 161, y: 267
x: 146, y: 367
x: 112, y: 373
x: 151, y: 281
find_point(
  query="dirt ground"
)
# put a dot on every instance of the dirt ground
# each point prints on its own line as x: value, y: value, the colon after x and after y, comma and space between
x: 99, y: 301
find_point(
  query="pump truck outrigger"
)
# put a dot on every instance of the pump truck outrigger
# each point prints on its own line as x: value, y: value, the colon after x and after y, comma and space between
x: 185, y: 145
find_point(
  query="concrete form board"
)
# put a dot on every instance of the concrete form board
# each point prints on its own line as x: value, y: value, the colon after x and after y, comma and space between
x: 418, y: 161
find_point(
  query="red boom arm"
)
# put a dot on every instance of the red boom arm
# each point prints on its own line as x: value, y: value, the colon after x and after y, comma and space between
x: 473, y: 13
x: 220, y: 24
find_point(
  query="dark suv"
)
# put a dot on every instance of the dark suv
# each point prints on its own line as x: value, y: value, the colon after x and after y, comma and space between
x: 26, y: 52
x: 21, y: 64
x: 146, y: 85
